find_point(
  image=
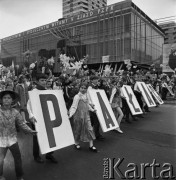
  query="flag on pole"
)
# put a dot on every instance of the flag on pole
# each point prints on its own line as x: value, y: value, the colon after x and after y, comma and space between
x: 115, y: 69
x: 99, y: 69
x: 120, y: 67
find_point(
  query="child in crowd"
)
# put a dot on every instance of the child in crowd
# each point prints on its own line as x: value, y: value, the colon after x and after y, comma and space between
x: 82, y: 128
x: 116, y: 104
x: 9, y: 118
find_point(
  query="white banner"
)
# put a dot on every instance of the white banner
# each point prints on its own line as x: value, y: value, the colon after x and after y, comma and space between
x: 53, y: 125
x: 131, y: 100
x: 155, y: 94
x: 141, y: 86
x: 104, y: 111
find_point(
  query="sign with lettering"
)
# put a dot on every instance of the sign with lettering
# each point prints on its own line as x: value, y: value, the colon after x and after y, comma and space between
x: 155, y: 94
x: 141, y: 86
x: 168, y: 88
x: 104, y: 111
x: 131, y: 100
x: 105, y: 59
x: 53, y: 125
x: 64, y: 21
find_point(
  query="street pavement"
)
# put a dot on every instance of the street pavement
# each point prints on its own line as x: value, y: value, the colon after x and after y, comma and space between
x: 148, y: 139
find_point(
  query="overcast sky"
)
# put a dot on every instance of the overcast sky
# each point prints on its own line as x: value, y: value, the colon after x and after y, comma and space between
x: 20, y: 15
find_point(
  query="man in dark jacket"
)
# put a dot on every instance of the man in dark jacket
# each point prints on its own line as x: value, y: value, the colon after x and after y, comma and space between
x: 22, y: 90
x: 41, y: 83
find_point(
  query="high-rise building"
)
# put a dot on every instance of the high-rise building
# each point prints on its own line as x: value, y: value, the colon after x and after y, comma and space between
x: 73, y: 7
x: 170, y: 32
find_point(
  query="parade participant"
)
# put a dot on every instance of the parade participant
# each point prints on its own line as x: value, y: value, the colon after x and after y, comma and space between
x: 164, y: 89
x: 104, y: 85
x: 41, y: 84
x: 82, y: 128
x: 49, y: 84
x: 72, y: 90
x: 125, y: 107
x: 57, y: 85
x: 145, y: 106
x: 10, y: 117
x: 116, y: 104
x: 140, y: 100
x: 93, y: 116
x: 22, y: 90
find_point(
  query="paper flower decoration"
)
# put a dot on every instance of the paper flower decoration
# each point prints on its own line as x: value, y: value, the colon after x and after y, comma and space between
x: 32, y: 66
x: 51, y: 61
x: 72, y: 59
x: 77, y: 65
x: 64, y: 61
x: 120, y: 71
x: 129, y: 66
x: 107, y: 70
x: 137, y: 71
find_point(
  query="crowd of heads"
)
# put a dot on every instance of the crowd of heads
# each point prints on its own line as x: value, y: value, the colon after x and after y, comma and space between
x: 100, y: 77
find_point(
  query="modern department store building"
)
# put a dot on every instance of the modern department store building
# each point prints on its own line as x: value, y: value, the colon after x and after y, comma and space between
x: 113, y: 33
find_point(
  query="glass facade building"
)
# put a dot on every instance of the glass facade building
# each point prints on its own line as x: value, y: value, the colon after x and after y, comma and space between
x: 119, y: 31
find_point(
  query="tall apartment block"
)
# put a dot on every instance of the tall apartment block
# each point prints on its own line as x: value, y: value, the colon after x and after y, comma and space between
x: 170, y: 32
x: 73, y: 7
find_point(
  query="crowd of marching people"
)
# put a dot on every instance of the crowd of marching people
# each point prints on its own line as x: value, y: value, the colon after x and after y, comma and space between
x: 15, y: 112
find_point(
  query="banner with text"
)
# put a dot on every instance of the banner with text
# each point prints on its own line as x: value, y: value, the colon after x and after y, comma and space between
x: 141, y: 86
x: 168, y: 88
x: 131, y: 100
x: 53, y: 125
x: 104, y: 111
x: 155, y: 94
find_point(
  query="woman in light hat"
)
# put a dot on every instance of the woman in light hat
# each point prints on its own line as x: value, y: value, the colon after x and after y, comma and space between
x: 9, y: 118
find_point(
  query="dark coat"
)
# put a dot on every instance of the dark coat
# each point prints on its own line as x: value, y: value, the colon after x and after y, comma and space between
x: 23, y: 93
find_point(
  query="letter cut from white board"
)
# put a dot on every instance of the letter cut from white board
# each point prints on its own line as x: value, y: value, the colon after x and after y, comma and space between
x: 169, y: 89
x: 155, y: 94
x: 131, y: 100
x: 104, y: 111
x: 141, y: 86
x: 53, y: 125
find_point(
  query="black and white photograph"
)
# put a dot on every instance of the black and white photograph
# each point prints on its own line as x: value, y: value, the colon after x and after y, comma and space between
x: 87, y: 89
